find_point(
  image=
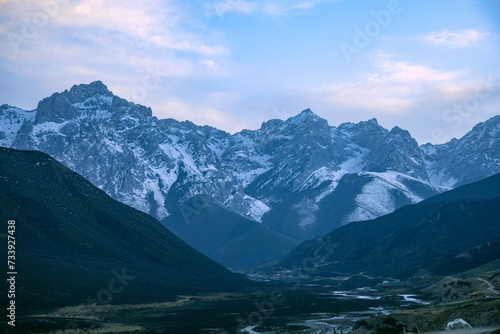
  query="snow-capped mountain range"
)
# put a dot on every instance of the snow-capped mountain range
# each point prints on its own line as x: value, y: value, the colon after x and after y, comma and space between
x: 301, y: 177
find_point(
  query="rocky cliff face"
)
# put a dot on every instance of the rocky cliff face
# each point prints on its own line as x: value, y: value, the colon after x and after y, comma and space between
x: 301, y: 177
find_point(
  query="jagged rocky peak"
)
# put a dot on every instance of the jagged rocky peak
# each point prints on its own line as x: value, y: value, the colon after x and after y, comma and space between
x: 371, y: 123
x: 307, y: 113
x: 92, y: 99
x: 60, y: 107
x: 11, y: 120
x: 367, y: 134
x: 400, y: 132
x: 403, y: 137
x: 304, y: 125
x: 96, y: 96
x: 56, y: 108
x: 121, y: 107
x: 4, y: 107
x: 489, y: 128
x: 307, y: 116
x: 468, y: 159
x: 271, y: 125
x: 80, y: 93
x: 355, y: 127
x: 398, y: 151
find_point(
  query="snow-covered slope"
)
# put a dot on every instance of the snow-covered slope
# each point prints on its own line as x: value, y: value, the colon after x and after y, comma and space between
x: 385, y: 193
x: 301, y: 177
x: 11, y: 120
x: 468, y: 159
x: 131, y: 155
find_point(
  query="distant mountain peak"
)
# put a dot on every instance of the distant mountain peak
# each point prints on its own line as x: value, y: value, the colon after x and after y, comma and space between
x: 98, y: 84
x: 60, y: 107
x: 467, y: 159
x: 490, y: 124
x: 91, y: 89
x: 86, y: 99
x: 398, y: 131
x: 349, y: 125
x: 4, y: 107
x: 369, y: 125
x: 270, y: 124
x: 307, y: 116
x: 299, y: 176
x: 307, y: 113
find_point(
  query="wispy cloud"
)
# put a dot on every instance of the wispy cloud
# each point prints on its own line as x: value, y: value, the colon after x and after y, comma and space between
x: 456, y: 39
x: 107, y: 35
x: 274, y: 8
x: 156, y: 23
x: 227, y: 6
x: 281, y: 8
x: 137, y: 48
x: 394, y: 87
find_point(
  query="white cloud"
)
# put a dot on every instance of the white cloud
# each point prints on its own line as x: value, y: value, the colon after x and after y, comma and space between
x: 226, y: 6
x: 268, y: 7
x: 414, y: 96
x: 456, y: 39
x: 107, y: 23
x: 118, y: 42
x: 110, y: 37
x: 154, y: 22
x: 393, y: 88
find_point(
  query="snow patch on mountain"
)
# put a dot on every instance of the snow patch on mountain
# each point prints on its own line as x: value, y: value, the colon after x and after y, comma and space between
x: 113, y: 146
x: 48, y: 128
x: 245, y: 176
x: 396, y: 180
x: 320, y: 176
x: 257, y: 208
x: 357, y: 161
x: 306, y: 211
x: 374, y: 201
x: 441, y: 178
x: 11, y: 120
x: 377, y: 196
x: 95, y: 107
x: 218, y: 146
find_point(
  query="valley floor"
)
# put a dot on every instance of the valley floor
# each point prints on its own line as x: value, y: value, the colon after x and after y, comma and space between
x: 311, y: 308
x: 317, y: 306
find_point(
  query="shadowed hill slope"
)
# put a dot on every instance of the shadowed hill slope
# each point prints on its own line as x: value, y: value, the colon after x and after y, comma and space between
x: 446, y: 234
x: 75, y: 244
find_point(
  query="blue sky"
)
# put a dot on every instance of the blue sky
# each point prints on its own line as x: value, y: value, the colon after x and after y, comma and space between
x: 431, y: 67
